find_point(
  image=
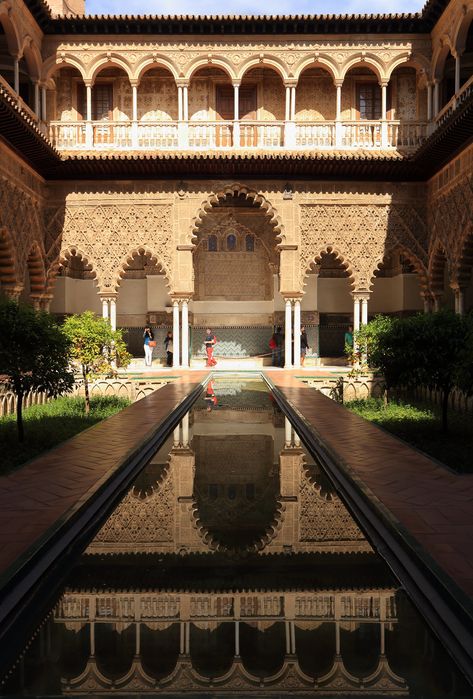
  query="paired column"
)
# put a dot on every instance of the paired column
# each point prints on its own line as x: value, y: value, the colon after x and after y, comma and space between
x: 292, y: 333
x: 180, y: 333
x: 338, y: 115
x: 384, y: 123
x: 134, y: 115
x: 290, y: 116
x: 109, y: 310
x: 236, y: 115
x: 183, y: 115
x: 89, y: 136
x: 360, y: 311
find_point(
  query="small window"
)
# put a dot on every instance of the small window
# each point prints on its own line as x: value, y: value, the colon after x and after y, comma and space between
x: 368, y: 101
x: 212, y: 243
x: 250, y: 243
x: 231, y: 242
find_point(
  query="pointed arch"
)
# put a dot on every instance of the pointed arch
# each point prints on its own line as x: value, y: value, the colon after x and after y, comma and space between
x: 342, y: 259
x: 237, y: 189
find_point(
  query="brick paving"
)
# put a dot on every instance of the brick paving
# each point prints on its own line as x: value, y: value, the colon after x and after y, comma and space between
x: 433, y: 504
x: 40, y: 494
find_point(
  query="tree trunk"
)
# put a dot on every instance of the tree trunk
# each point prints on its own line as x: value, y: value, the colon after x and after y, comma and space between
x: 86, y: 391
x: 445, y: 395
x: 19, y: 417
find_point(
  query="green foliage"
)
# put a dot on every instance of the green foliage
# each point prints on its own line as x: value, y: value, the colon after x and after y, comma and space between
x: 430, y: 349
x: 420, y: 426
x: 95, y: 347
x: 52, y: 423
x: 34, y: 354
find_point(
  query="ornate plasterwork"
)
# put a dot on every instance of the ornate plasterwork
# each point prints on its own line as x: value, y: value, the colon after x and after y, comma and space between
x: 109, y: 234
x: 361, y: 235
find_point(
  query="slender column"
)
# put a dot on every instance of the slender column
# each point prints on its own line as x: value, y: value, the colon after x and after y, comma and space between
x: 457, y: 71
x: 364, y: 310
x: 179, y: 103
x: 384, y: 125
x: 293, y: 103
x: 293, y: 637
x: 436, y: 303
x: 16, y: 74
x: 92, y: 638
x: 185, y: 334
x: 236, y: 116
x: 288, y: 104
x: 237, y: 639
x: 134, y: 116
x: 297, y: 333
x: 287, y: 336
x: 338, y: 115
x: 356, y: 313
x: 288, y: 639
x: 185, y: 103
x: 44, y: 109
x: 188, y: 637
x: 297, y: 439
x: 337, y: 638
x: 176, y: 436
x: 382, y: 648
x: 427, y: 306
x: 137, y: 638
x: 88, y: 126
x: 429, y: 101
x: 287, y: 433
x: 37, y: 103
x: 113, y: 314
x: 185, y: 430
x: 175, y: 333
x: 436, y: 97
x: 459, y: 302
x: 182, y: 643
x: 105, y: 308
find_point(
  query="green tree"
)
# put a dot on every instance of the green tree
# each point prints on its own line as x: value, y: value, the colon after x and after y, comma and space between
x: 430, y: 349
x: 34, y: 355
x: 95, y: 347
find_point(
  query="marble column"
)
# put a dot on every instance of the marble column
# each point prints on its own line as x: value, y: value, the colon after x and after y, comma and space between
x: 384, y: 123
x: 89, y: 134
x: 185, y: 334
x: 175, y: 333
x: 16, y: 74
x: 338, y: 115
x: 356, y: 312
x: 44, y: 106
x: 297, y: 333
x: 105, y: 308
x: 134, y: 115
x: 364, y: 310
x: 113, y: 313
x: 236, y: 116
x: 457, y: 71
x: 288, y: 335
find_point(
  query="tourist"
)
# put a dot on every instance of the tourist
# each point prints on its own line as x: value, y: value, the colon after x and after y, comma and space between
x: 210, y: 397
x: 210, y: 341
x: 169, y: 348
x: 149, y: 345
x: 304, y: 344
x: 349, y: 344
x: 276, y: 345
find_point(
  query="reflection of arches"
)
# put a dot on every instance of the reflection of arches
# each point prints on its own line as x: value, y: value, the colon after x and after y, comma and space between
x: 238, y: 190
x: 9, y: 276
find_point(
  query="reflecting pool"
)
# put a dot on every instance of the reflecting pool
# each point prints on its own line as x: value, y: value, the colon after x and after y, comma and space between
x: 231, y: 566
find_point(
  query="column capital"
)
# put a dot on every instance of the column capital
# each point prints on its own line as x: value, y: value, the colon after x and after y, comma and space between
x: 182, y: 82
x: 134, y: 82
x: 361, y: 295
x: 236, y: 83
x: 108, y: 295
x: 338, y: 82
x: 180, y: 297
x: 290, y: 82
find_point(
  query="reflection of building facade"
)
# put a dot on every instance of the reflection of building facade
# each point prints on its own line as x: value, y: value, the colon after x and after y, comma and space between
x: 274, y: 174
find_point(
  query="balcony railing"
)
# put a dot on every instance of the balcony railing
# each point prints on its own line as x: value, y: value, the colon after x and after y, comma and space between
x: 458, y: 98
x: 216, y: 135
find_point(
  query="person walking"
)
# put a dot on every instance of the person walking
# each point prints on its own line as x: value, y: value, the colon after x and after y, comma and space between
x: 169, y: 348
x: 210, y: 341
x: 276, y: 345
x: 304, y: 344
x: 149, y: 344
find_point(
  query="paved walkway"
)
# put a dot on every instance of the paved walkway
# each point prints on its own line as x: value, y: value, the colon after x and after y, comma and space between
x: 46, y: 490
x: 433, y: 504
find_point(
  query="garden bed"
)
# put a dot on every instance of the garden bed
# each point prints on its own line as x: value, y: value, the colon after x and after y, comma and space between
x: 49, y: 424
x: 421, y: 426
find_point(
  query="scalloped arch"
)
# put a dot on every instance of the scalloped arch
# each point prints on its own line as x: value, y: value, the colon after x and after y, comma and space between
x: 238, y: 189
x: 333, y: 250
x: 35, y: 266
x: 63, y: 258
x: 438, y: 263
x: 139, y: 250
x: 418, y: 265
x: 9, y: 267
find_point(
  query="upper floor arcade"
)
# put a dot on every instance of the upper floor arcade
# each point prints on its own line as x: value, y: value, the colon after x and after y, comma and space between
x: 109, y: 92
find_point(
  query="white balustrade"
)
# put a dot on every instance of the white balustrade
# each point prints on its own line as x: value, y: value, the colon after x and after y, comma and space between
x: 157, y: 135
x: 361, y: 134
x: 318, y: 134
x: 406, y: 134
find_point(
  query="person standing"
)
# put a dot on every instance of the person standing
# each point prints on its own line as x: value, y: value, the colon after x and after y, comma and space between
x: 149, y: 344
x: 276, y: 345
x: 169, y: 348
x: 304, y: 344
x: 210, y: 341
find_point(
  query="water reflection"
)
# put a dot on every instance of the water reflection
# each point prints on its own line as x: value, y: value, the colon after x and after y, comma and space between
x: 231, y: 565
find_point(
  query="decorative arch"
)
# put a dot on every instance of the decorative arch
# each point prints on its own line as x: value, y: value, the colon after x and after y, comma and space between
x: 325, y: 62
x: 214, y: 62
x: 53, y: 64
x: 265, y: 61
x: 332, y: 250
x: 417, y: 61
x: 418, y: 265
x: 439, y: 262
x: 461, y: 32
x: 11, y: 32
x: 238, y: 190
x: 109, y: 61
x: 438, y: 61
x: 63, y: 259
x: 464, y: 266
x: 32, y: 57
x: 9, y: 272
x: 35, y: 266
x: 140, y: 250
x: 365, y: 61
x: 155, y: 61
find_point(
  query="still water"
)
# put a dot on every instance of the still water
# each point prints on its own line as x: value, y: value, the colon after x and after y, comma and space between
x: 232, y: 567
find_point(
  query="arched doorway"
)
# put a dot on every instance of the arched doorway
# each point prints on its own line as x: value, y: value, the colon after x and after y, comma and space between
x: 236, y: 268
x: 332, y: 289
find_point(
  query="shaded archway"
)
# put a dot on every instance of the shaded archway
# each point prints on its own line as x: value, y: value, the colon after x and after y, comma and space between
x: 397, y: 285
x: 465, y: 273
x: 157, y: 108
x: 211, y: 108
x: 316, y: 107
x: 406, y: 107
x: 361, y: 107
x: 8, y: 46
x: 35, y: 277
x: 73, y: 284
x: 464, y: 47
x: 262, y: 99
x: 10, y: 282
x: 439, y: 275
x: 68, y: 109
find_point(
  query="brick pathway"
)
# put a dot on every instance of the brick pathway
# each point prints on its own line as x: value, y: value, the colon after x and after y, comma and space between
x: 36, y: 497
x: 432, y: 503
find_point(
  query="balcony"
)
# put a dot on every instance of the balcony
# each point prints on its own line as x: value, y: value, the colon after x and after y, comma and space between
x: 225, y: 135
